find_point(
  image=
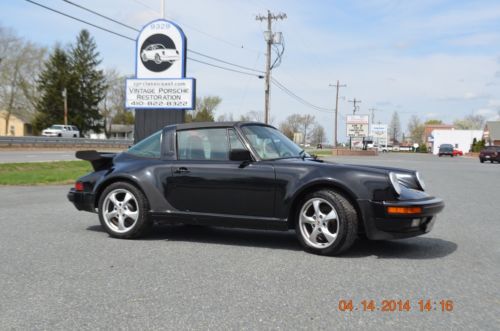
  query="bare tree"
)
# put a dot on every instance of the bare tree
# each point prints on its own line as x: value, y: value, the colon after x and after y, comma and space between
x: 225, y: 118
x: 306, y: 122
x: 416, y: 129
x: 114, y: 99
x: 470, y: 122
x: 318, y: 134
x: 395, y: 128
x: 291, y: 125
x: 20, y: 64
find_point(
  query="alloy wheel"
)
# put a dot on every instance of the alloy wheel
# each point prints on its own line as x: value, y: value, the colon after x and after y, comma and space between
x: 120, y: 210
x: 318, y: 222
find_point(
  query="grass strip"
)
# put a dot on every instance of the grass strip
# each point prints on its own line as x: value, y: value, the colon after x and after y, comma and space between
x: 43, y: 173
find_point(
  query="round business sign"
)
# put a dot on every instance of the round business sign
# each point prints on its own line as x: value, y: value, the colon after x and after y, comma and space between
x: 158, y: 53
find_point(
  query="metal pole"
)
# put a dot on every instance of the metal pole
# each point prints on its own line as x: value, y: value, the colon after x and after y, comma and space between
x: 163, y: 9
x: 65, y: 96
x: 268, y: 67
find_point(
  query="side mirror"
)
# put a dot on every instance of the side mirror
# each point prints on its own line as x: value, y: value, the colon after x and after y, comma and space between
x: 240, y: 155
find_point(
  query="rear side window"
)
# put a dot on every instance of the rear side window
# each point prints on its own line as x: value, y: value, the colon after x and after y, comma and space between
x: 203, y: 144
x: 149, y: 147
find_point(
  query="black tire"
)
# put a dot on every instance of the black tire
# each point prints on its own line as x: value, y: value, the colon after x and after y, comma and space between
x: 141, y: 225
x: 481, y: 160
x: 59, y: 135
x: 347, y: 223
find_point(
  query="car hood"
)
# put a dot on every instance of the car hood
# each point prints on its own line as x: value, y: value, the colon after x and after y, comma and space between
x: 328, y: 164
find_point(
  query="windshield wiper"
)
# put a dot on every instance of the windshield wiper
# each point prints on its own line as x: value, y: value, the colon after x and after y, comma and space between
x: 302, y: 154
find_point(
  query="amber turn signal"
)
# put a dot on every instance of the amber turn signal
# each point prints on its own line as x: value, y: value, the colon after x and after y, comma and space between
x: 404, y: 210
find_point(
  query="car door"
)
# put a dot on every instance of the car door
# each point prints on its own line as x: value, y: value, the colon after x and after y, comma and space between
x: 204, y: 180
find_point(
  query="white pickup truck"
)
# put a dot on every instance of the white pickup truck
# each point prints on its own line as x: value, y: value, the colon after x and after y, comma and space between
x: 60, y: 130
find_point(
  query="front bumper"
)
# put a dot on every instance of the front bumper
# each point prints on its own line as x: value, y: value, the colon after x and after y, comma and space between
x: 380, y: 225
x: 82, y: 200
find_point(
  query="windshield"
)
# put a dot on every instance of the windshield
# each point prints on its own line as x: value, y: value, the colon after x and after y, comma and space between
x: 270, y: 143
x: 56, y: 127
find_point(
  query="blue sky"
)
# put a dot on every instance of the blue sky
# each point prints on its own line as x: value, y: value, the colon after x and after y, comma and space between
x: 435, y: 59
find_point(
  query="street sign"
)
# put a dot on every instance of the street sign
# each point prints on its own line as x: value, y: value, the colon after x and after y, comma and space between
x: 160, y: 93
x: 161, y: 51
x: 160, y: 71
x: 379, y: 134
x: 357, y: 126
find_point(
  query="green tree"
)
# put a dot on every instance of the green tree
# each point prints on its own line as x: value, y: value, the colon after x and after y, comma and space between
x: 88, y: 85
x: 51, y: 82
x: 433, y: 122
x: 77, y: 71
x: 205, y: 109
x: 123, y: 117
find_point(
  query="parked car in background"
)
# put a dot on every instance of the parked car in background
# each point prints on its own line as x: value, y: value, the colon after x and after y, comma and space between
x: 445, y: 149
x: 457, y: 152
x: 250, y: 175
x: 60, y: 130
x: 490, y: 153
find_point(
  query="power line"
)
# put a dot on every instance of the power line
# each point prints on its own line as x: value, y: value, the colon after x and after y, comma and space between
x: 100, y: 15
x: 298, y: 98
x: 132, y: 39
x: 225, y: 68
x: 137, y: 30
x: 80, y: 20
x: 240, y: 47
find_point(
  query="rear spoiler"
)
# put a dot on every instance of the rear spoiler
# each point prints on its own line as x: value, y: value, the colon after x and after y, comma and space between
x: 100, y: 161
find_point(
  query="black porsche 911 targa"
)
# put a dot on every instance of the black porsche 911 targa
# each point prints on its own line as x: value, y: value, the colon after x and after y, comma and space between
x: 249, y: 175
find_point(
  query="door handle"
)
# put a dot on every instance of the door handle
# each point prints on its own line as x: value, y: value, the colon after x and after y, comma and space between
x: 181, y: 170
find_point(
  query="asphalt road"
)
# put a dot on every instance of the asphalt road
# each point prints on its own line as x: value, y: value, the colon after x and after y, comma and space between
x: 59, y: 271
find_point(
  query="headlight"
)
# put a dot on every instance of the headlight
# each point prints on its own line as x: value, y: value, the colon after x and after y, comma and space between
x: 420, y: 181
x: 395, y: 183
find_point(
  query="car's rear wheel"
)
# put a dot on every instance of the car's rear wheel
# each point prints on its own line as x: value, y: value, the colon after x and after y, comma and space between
x: 326, y: 223
x: 122, y: 211
x: 481, y: 160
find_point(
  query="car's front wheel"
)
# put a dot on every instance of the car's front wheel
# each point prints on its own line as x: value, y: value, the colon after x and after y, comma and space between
x: 122, y: 211
x: 326, y: 223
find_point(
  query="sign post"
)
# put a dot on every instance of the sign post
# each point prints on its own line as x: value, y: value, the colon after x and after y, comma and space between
x: 379, y: 134
x: 160, y: 92
x: 357, y: 129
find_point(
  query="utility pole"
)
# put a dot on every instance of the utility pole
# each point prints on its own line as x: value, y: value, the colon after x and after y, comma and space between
x: 355, y: 101
x: 65, y: 96
x: 338, y: 86
x: 269, y: 37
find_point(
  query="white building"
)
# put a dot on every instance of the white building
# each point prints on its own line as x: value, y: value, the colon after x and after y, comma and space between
x: 460, y: 139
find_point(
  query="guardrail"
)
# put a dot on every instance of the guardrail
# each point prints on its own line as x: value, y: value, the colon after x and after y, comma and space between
x: 59, y: 142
